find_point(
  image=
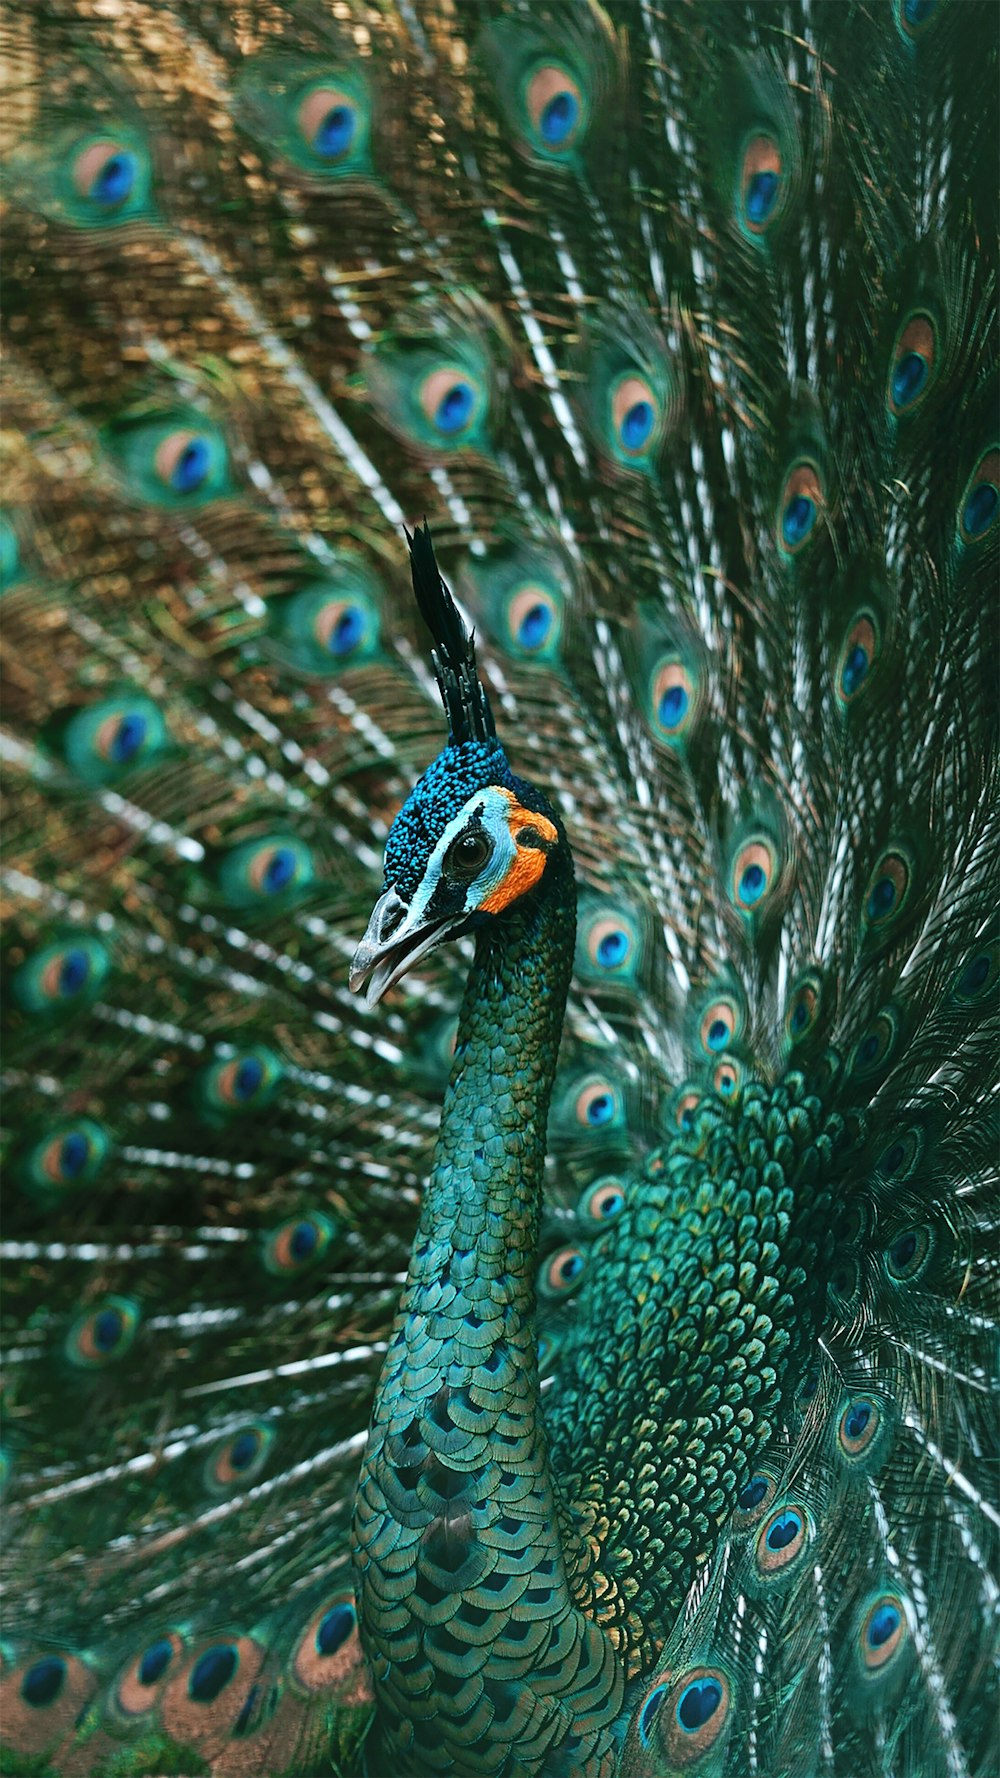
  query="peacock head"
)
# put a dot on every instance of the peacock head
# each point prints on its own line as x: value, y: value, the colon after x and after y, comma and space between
x: 471, y: 840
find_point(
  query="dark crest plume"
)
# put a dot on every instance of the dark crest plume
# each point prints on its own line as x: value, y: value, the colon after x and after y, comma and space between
x: 466, y: 705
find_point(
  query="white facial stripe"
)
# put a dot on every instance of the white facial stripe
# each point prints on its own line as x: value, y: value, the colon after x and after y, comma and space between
x: 494, y: 809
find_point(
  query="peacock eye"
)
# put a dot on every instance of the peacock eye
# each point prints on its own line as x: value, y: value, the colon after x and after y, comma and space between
x: 467, y: 855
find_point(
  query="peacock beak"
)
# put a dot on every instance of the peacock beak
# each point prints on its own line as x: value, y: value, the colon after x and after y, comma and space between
x: 394, y: 941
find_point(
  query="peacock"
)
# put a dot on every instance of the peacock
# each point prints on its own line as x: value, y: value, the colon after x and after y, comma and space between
x: 500, y: 525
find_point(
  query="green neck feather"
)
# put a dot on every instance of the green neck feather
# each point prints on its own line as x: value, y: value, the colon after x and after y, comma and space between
x: 457, y: 1550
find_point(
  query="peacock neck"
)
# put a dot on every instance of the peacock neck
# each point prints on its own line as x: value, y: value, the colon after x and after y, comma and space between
x: 483, y: 1196
x: 459, y: 1566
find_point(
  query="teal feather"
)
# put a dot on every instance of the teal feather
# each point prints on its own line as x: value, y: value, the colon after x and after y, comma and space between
x: 593, y: 1372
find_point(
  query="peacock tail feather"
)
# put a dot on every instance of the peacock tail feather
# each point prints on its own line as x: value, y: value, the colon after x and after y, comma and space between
x: 663, y: 1338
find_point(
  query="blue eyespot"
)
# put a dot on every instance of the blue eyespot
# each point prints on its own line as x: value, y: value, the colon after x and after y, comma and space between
x: 799, y: 506
x: 697, y: 1703
x: 304, y: 1240
x: 673, y: 706
x: 155, y: 1661
x: 455, y: 408
x: 612, y: 949
x: 108, y: 1328
x: 129, y: 737
x: 347, y: 631
x: 761, y: 196
x: 212, y: 1672
x: 753, y: 882
x: 192, y: 465
x: 561, y: 1272
x: 797, y: 520
x: 603, y: 1200
x: 783, y: 1530
x: 650, y: 1711
x: 335, y: 133
x: 980, y: 509
x: 244, y: 1449
x: 74, y: 972
x: 247, y: 1078
x: 854, y: 670
x: 917, y: 12
x: 751, y: 1496
x: 556, y: 110
x: 559, y: 118
x: 718, y: 1034
x: 279, y: 871
x: 534, y: 627
x: 888, y: 889
x: 761, y: 170
x: 856, y: 1418
x: 113, y: 182
x: 601, y: 1109
x: 883, y: 1623
x: 908, y: 379
x: 333, y: 1629
x: 637, y: 425
x: 43, y: 1682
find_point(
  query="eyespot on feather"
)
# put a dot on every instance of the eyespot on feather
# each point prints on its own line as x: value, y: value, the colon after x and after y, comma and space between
x: 754, y: 1499
x: 211, y: 1690
x: 560, y: 1274
x: 858, y: 656
x: 799, y: 508
x: 598, y: 1105
x: 107, y: 180
x: 979, y: 508
x: 673, y: 700
x: 297, y: 1244
x: 888, y: 891
x: 105, y: 173
x: 762, y: 185
x: 61, y: 976
x: 238, y: 1459
x: 556, y: 109
x: 452, y: 402
x: 328, y: 1654
x: 685, y: 1714
x: 803, y: 1009
x: 876, y: 1047
x: 753, y: 875
x: 602, y: 1201
x: 727, y: 1078
x: 906, y: 1256
x: 859, y: 1426
x: 720, y: 1025
x: 534, y: 619
x: 71, y: 1156
x: 883, y: 1634
x: 41, y: 1700
x: 268, y: 872
x: 635, y: 416
x: 139, y: 1686
x: 240, y: 1084
x: 328, y: 120
x: 913, y: 370
x: 104, y: 1335
x: 175, y: 460
x: 978, y: 975
x: 782, y: 1540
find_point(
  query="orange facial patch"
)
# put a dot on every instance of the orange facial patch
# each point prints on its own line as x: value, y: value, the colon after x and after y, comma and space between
x: 529, y: 859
